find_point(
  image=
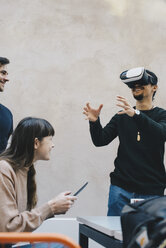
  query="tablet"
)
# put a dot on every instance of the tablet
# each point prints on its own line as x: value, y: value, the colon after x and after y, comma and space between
x: 78, y: 191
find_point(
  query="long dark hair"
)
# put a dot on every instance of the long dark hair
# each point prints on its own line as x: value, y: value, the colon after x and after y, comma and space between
x: 21, y: 150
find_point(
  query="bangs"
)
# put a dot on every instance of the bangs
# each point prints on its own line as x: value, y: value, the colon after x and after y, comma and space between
x: 46, y: 129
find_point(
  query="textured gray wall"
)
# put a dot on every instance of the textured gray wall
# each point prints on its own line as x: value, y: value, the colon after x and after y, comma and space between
x: 64, y: 53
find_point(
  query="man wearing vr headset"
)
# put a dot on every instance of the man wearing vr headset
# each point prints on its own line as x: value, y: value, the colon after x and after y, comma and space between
x: 139, y: 169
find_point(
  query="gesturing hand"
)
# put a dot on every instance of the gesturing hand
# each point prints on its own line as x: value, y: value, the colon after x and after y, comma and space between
x: 92, y: 114
x: 62, y: 203
x: 127, y: 108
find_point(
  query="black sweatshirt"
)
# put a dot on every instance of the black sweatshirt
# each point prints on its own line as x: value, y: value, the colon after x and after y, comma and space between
x: 6, y: 126
x: 139, y: 165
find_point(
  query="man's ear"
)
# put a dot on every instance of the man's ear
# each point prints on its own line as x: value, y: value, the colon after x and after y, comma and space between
x: 36, y: 143
x: 155, y: 87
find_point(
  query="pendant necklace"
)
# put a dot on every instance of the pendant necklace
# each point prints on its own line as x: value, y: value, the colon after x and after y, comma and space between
x: 138, y: 133
x: 138, y: 136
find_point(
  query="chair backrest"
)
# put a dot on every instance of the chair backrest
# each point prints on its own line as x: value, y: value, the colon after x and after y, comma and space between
x: 14, y: 237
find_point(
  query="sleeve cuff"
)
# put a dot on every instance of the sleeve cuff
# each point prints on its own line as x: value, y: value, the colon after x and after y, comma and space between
x: 94, y: 123
x: 46, y: 211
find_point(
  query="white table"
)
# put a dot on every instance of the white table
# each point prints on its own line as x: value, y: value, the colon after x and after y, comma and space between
x: 106, y: 230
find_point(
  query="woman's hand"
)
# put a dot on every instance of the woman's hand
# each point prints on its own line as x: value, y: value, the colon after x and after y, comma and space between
x: 62, y: 202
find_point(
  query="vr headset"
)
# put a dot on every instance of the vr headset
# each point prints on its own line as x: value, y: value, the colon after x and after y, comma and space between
x: 138, y: 75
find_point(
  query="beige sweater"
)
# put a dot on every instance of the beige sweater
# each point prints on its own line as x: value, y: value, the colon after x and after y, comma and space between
x: 13, y: 202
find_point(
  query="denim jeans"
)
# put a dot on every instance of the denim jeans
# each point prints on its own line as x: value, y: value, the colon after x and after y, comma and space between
x: 43, y: 245
x: 35, y: 245
x: 119, y: 197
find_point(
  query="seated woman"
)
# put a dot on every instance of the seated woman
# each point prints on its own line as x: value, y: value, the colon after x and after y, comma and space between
x: 31, y: 141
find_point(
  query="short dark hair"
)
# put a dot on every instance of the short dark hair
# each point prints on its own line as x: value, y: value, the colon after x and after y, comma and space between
x: 4, y: 61
x: 152, y: 80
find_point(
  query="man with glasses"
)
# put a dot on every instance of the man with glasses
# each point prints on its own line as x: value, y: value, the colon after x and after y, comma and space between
x: 139, y: 168
x: 6, y: 118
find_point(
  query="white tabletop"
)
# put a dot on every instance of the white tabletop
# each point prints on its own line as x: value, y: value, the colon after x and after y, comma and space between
x: 109, y: 225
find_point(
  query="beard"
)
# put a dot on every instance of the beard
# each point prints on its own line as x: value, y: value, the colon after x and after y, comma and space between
x: 139, y: 97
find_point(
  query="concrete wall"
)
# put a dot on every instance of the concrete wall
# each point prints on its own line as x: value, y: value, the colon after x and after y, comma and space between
x: 65, y: 53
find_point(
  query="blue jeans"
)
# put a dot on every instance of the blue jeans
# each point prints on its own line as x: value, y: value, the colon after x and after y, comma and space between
x: 43, y: 245
x: 37, y: 245
x: 119, y: 197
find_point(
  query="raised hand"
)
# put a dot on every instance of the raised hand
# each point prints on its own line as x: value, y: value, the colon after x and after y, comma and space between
x: 127, y: 108
x: 92, y: 114
x: 62, y: 203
